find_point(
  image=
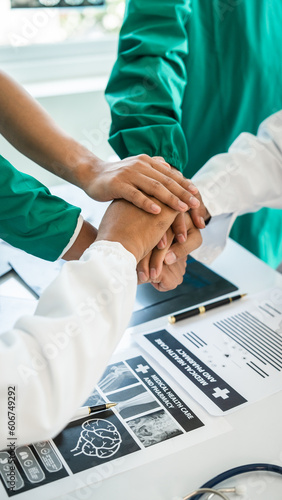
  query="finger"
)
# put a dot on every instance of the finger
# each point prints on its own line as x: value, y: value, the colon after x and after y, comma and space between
x: 181, y: 187
x: 162, y: 160
x: 163, y: 242
x: 143, y: 270
x: 198, y: 220
x: 181, y: 250
x: 171, y: 276
x: 153, y: 188
x: 158, y: 182
x: 159, y: 287
x: 192, y: 188
x: 200, y: 215
x: 140, y: 200
x: 167, y: 191
x: 157, y: 258
x: 179, y: 228
x: 156, y: 264
x: 175, y: 174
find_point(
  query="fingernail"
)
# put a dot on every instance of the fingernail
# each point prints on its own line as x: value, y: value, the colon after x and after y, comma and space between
x: 161, y: 245
x: 193, y: 188
x: 182, y: 205
x: 170, y: 258
x: 181, y: 238
x: 142, y: 277
x: 153, y: 273
x: 203, y: 221
x: 163, y: 242
x: 155, y: 208
x: 194, y: 202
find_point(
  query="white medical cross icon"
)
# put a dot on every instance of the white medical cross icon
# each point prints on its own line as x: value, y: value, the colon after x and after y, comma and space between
x: 142, y: 368
x: 220, y: 393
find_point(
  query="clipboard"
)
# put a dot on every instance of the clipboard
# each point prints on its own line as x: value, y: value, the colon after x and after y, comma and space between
x: 200, y: 284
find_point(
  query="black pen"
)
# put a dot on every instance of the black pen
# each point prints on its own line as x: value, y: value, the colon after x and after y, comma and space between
x: 84, y: 411
x: 203, y: 309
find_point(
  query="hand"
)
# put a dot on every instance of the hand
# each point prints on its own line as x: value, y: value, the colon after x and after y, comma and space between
x: 138, y: 231
x: 171, y: 276
x: 134, y: 178
x: 151, y: 266
x: 168, y: 279
x: 150, y: 269
x: 155, y: 268
x: 199, y: 217
x: 185, y: 245
x: 199, y: 214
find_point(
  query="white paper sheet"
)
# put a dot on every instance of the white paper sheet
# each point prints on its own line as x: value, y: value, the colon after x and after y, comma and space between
x: 153, y: 418
x: 227, y: 358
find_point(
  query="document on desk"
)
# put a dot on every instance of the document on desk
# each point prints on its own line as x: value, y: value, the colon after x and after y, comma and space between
x: 4, y: 259
x: 227, y: 358
x: 153, y: 418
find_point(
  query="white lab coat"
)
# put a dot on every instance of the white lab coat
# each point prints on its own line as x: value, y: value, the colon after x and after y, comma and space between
x: 56, y: 357
x: 243, y: 180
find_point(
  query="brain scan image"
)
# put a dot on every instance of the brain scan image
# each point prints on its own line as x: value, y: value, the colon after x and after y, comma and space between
x: 99, y: 438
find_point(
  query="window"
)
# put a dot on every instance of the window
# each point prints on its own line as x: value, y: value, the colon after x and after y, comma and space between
x: 52, y: 44
x: 21, y: 27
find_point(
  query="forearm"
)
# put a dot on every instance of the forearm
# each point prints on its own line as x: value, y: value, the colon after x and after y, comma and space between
x: 31, y: 218
x: 57, y: 356
x: 31, y: 130
x: 26, y: 125
x: 146, y: 88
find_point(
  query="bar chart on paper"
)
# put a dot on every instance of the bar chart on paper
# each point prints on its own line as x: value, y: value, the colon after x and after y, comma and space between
x: 228, y: 358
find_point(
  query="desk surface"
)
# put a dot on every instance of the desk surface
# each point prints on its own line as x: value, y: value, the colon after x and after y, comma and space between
x: 256, y: 429
x: 255, y: 434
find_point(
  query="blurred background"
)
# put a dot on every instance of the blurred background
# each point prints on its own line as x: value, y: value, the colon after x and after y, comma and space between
x: 62, y: 51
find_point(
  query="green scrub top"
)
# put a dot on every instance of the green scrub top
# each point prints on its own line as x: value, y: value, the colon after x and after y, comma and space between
x: 30, y: 217
x: 191, y: 75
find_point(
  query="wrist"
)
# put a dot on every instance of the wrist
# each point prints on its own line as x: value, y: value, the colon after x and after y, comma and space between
x: 78, y: 165
x: 85, y: 238
x: 126, y: 242
x: 86, y: 169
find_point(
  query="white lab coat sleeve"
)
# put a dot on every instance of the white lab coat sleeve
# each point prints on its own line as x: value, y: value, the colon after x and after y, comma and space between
x: 55, y: 358
x: 243, y: 180
x: 73, y: 238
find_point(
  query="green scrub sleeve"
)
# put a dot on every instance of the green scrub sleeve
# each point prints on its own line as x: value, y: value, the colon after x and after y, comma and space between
x: 31, y: 218
x: 147, y: 84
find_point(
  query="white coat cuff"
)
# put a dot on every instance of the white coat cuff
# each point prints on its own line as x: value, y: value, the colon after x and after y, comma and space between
x: 74, y: 236
x: 215, y: 237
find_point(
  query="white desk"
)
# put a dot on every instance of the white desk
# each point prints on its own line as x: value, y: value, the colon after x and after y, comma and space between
x: 255, y: 436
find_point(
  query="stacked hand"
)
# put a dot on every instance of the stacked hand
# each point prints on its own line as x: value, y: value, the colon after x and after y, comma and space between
x: 33, y: 132
x: 162, y: 270
x: 138, y: 231
x: 165, y: 266
x: 136, y: 177
x: 150, y: 238
x: 133, y: 179
x: 159, y: 236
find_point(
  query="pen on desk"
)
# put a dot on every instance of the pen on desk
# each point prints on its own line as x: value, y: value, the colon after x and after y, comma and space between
x: 203, y: 309
x: 84, y: 411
